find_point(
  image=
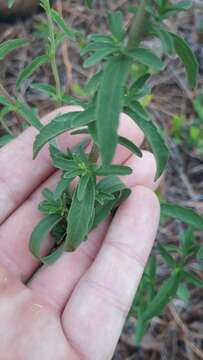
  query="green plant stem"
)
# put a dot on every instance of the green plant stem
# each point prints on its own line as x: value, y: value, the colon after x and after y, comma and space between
x: 94, y: 153
x: 53, y: 53
x: 138, y: 27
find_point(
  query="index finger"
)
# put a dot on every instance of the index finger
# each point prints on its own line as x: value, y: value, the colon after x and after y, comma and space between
x: 19, y: 173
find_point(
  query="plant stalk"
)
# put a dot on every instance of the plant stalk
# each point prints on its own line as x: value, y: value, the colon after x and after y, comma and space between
x: 94, y: 153
x: 53, y: 53
x: 138, y: 27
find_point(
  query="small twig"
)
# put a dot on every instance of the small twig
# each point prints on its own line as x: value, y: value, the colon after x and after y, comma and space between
x: 185, y: 331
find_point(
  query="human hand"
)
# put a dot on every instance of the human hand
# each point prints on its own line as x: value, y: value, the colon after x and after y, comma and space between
x: 75, y: 308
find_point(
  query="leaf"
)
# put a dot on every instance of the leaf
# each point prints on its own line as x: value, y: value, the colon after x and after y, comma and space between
x: 163, y: 297
x: 139, y: 83
x: 100, y: 38
x: 56, y: 17
x: 30, y: 68
x: 61, y: 187
x: 185, y: 215
x: 97, y: 46
x: 97, y: 57
x: 61, y: 124
x: 181, y: 6
x: 10, y: 3
x: 166, y: 256
x: 79, y: 217
x: 29, y: 115
x: 109, y: 106
x: 200, y: 253
x: 110, y: 184
x: 165, y: 38
x: 130, y: 146
x: 153, y: 136
x: 102, y: 212
x: 82, y: 186
x: 45, y: 88
x: 51, y: 258
x: 188, y: 241
x: 146, y: 57
x: 115, y: 20
x: 113, y: 170
x: 40, y: 232
x: 192, y: 279
x: 4, y: 101
x: 183, y: 292
x: 88, y: 3
x: 93, y: 84
x: 5, y: 139
x: 7, y: 46
x: 188, y: 59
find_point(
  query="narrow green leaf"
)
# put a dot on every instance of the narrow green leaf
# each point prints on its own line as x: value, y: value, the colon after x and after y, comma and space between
x: 200, y: 253
x: 5, y: 139
x: 115, y: 20
x: 183, y: 292
x: 130, y: 146
x: 163, y: 297
x: 102, y: 212
x: 139, y: 83
x: 113, y: 170
x: 185, y: 215
x: 61, y: 124
x: 188, y: 241
x: 82, y: 186
x: 45, y: 88
x: 94, y: 47
x: 92, y: 85
x: 51, y: 258
x: 146, y: 57
x: 192, y: 279
x: 79, y: 217
x: 30, y: 68
x: 153, y: 136
x: 165, y: 38
x: 40, y: 232
x: 109, y: 106
x: 166, y: 256
x: 10, y: 3
x: 7, y: 46
x: 188, y: 59
x: 61, y: 187
x: 70, y: 33
x: 88, y: 3
x: 97, y: 57
x: 4, y: 101
x: 28, y: 113
x: 100, y: 38
x: 110, y: 184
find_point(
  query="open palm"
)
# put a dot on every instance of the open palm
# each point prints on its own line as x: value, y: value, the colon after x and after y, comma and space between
x: 76, y: 308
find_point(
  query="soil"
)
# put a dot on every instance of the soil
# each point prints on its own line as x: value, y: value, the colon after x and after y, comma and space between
x: 178, y: 333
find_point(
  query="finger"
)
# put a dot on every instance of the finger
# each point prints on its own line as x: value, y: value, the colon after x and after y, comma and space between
x: 96, y: 312
x: 71, y: 266
x: 27, y: 216
x: 20, y: 174
x: 143, y: 171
